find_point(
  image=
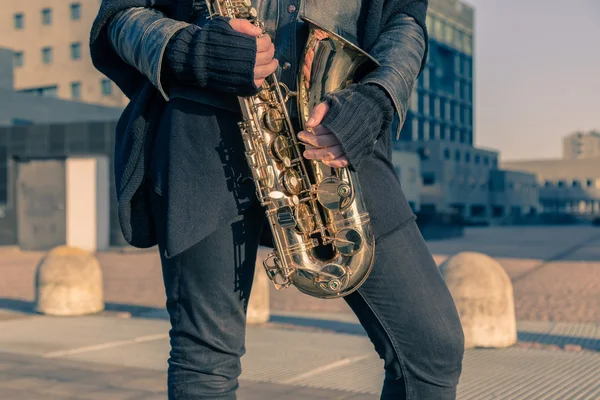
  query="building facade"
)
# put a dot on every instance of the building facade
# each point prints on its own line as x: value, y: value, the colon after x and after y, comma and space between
x: 580, y: 145
x: 50, y: 42
x: 441, y: 106
x: 513, y: 195
x: 566, y: 186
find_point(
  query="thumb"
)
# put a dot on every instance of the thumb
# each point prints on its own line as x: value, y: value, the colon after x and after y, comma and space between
x: 245, y: 26
x: 318, y: 114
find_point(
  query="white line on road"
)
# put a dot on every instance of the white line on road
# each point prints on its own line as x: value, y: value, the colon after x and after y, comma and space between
x: 108, y: 345
x: 324, y: 368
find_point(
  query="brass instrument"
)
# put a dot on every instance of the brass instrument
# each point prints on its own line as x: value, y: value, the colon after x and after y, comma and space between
x: 324, y: 244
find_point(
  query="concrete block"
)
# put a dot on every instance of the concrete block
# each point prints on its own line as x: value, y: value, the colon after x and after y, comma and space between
x: 483, y: 294
x: 69, y: 282
x: 259, y: 307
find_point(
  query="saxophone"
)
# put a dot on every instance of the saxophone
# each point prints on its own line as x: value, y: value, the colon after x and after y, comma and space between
x: 323, y: 241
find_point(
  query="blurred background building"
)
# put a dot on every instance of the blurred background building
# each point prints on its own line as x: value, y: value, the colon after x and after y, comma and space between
x: 50, y: 41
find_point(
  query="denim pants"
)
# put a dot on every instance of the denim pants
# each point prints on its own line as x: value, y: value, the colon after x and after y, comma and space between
x: 404, y: 306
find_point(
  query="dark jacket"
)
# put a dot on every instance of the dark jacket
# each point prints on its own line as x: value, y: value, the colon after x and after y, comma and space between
x: 140, y: 118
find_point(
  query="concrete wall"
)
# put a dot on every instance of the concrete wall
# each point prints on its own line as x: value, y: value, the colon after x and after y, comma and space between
x: 59, y: 140
x: 87, y: 208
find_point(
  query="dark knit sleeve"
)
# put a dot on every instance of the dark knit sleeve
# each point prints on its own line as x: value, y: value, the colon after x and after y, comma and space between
x: 358, y: 116
x: 214, y: 56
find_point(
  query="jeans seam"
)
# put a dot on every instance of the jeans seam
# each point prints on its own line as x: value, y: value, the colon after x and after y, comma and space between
x: 396, y: 350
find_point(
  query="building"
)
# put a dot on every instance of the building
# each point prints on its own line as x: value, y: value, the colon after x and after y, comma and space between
x: 50, y: 40
x: 442, y: 101
x: 455, y: 177
x: 580, y: 145
x: 439, y: 122
x: 513, y: 195
x: 408, y: 169
x: 19, y: 108
x: 569, y: 186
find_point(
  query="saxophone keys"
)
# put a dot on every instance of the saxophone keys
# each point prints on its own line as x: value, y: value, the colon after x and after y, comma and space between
x: 273, y: 120
x: 291, y: 181
x: 348, y: 241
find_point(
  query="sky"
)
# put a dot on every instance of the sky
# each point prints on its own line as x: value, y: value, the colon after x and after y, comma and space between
x: 537, y: 74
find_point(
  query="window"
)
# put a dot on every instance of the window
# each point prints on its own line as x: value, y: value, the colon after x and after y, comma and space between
x: 477, y: 158
x: 106, y: 87
x: 47, y: 55
x: 75, y: 11
x: 446, y: 154
x: 548, y: 184
x: 46, y: 16
x: 76, y: 90
x: 486, y: 161
x: 47, y: 91
x: 467, y: 157
x: 19, y: 21
x: 428, y: 178
x: 18, y: 59
x: 456, y: 155
x: 576, y: 184
x: 75, y: 51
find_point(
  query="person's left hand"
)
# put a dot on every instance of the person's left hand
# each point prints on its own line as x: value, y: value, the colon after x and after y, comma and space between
x: 327, y: 148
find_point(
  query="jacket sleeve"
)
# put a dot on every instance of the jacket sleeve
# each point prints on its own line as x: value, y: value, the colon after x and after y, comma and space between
x: 140, y: 36
x: 401, y: 52
x: 361, y: 113
x: 106, y: 60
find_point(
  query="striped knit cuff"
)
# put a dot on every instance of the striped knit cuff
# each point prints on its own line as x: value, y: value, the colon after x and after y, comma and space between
x: 214, y: 56
x: 358, y: 116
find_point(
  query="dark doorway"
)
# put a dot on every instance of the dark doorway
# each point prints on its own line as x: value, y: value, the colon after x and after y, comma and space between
x: 41, y: 198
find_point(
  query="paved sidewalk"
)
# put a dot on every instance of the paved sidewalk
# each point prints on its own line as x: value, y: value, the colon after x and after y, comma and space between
x: 294, y: 357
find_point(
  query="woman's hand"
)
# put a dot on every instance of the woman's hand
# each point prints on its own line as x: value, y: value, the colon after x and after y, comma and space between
x: 265, y: 50
x: 327, y: 147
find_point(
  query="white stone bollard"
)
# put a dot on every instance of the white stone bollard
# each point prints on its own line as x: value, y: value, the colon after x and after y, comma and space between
x: 259, y: 310
x: 69, y: 282
x: 483, y: 294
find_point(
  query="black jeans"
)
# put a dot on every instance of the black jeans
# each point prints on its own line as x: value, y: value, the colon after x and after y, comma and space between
x: 404, y: 306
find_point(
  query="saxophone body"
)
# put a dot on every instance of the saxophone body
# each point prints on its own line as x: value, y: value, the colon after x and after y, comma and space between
x: 322, y: 235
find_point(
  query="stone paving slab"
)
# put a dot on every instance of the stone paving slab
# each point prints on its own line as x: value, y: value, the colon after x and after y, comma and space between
x: 33, y: 378
x: 279, y: 362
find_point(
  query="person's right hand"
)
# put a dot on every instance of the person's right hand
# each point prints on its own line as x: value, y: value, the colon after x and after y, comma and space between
x: 265, y: 50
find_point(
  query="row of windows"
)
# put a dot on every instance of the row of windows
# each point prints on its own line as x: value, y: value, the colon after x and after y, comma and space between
x: 47, y: 55
x: 454, y: 36
x: 441, y: 108
x: 424, y: 130
x: 52, y: 91
x: 459, y: 90
x: 591, y: 183
x: 466, y: 157
x: 46, y: 16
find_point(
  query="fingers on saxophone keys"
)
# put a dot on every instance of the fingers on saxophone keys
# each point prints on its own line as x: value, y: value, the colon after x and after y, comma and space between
x: 318, y: 140
x: 340, y: 162
x: 328, y: 153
